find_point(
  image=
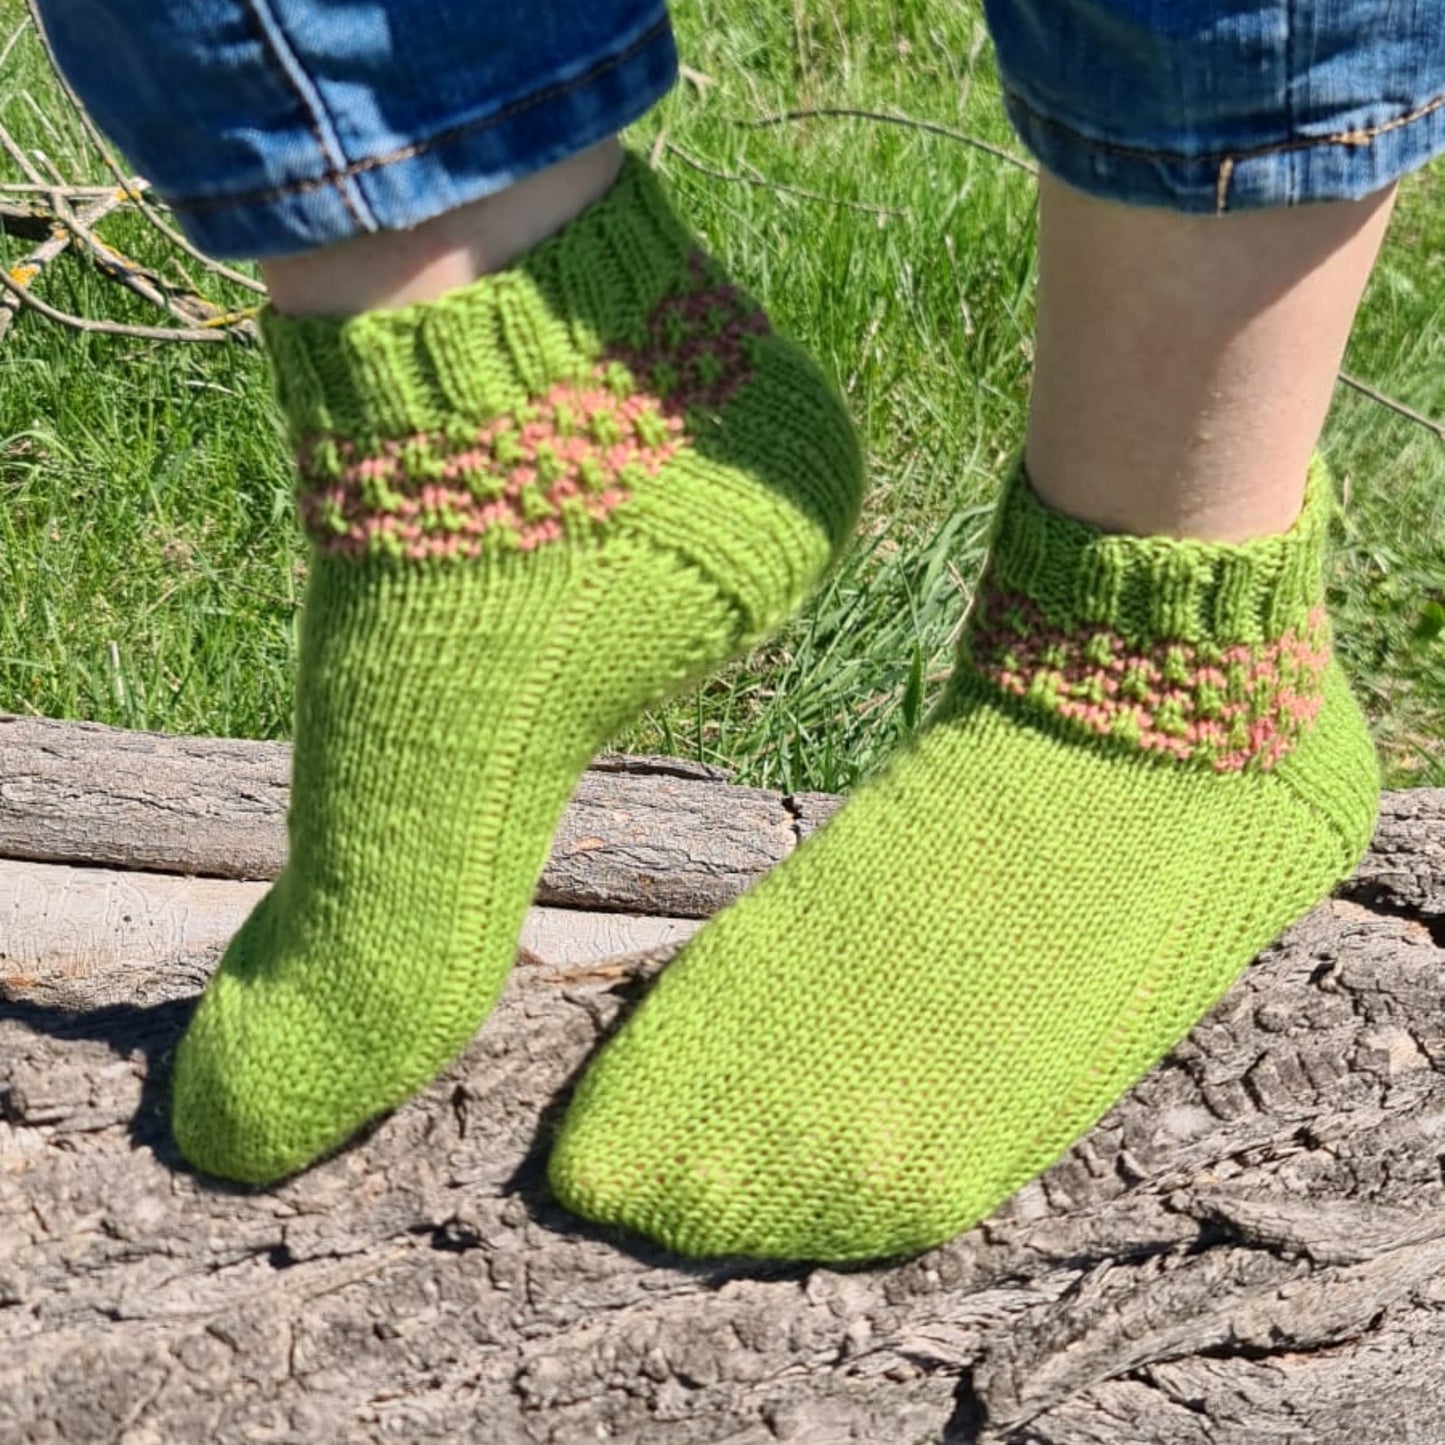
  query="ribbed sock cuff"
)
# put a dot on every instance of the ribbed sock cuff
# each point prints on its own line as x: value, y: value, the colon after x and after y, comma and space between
x: 487, y: 347
x: 1161, y: 588
x: 1205, y: 652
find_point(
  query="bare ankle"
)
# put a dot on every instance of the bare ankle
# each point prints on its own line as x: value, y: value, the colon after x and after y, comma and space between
x: 1185, y: 364
x: 396, y: 268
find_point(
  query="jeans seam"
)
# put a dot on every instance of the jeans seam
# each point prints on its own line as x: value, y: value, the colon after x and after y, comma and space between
x: 318, y: 122
x: 1228, y: 160
x: 338, y: 174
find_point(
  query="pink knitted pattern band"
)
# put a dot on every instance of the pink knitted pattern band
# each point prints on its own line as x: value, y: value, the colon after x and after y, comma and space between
x: 562, y: 461
x: 1231, y: 706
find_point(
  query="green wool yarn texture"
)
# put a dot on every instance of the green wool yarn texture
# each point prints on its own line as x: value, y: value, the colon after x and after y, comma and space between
x: 537, y: 506
x: 1145, y: 766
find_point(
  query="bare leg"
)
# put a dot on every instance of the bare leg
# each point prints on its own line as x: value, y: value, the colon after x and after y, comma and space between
x: 1185, y: 364
x: 395, y: 268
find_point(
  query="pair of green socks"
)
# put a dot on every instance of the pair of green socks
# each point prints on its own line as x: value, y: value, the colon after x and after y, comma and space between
x: 551, y: 498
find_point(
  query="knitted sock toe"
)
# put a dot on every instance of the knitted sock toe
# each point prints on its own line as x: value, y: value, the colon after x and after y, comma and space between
x: 537, y: 505
x: 1145, y: 767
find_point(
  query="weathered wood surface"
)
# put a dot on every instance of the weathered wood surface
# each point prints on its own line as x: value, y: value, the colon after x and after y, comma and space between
x: 640, y: 835
x: 1250, y: 1248
x: 87, y: 938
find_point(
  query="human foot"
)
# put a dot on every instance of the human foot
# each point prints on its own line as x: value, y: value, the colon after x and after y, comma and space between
x: 1145, y: 767
x: 537, y: 506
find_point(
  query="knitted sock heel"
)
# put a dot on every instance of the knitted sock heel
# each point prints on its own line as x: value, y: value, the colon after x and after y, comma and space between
x: 1146, y: 766
x: 537, y: 505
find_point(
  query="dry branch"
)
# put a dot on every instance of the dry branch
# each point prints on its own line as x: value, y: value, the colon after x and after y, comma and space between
x: 62, y: 223
x: 113, y: 166
x: 70, y: 192
x: 1390, y: 404
x: 59, y: 223
x: 1250, y: 1247
x: 187, y: 306
x: 23, y: 295
x: 55, y: 241
x: 26, y: 220
x: 204, y: 321
x: 886, y: 117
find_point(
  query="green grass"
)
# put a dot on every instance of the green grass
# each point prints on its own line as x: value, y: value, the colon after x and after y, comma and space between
x: 150, y: 566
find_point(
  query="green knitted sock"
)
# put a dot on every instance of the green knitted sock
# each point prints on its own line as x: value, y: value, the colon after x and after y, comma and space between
x: 537, y: 505
x: 1145, y: 767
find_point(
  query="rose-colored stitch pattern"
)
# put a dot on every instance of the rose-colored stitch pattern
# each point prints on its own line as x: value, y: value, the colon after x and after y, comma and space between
x: 696, y: 349
x: 1230, y: 707
x: 563, y: 460
x: 571, y: 455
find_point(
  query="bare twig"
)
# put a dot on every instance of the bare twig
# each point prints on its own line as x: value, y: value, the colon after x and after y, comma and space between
x: 673, y: 148
x: 861, y: 355
x: 73, y: 193
x: 894, y: 118
x: 26, y: 298
x: 29, y: 222
x: 113, y: 166
x: 1391, y: 404
x: 190, y: 307
x: 54, y: 244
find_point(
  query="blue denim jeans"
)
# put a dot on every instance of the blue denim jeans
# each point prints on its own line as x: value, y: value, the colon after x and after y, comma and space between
x: 1224, y: 105
x: 274, y: 126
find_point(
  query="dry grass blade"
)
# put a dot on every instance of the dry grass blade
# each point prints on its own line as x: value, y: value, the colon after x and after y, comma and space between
x: 14, y: 40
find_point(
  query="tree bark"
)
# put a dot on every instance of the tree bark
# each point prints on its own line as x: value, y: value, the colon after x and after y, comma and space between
x: 1249, y: 1248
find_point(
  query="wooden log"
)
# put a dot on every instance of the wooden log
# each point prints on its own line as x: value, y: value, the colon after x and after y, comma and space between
x: 88, y: 938
x: 1250, y: 1247
x: 639, y: 836
x: 85, y: 938
x: 80, y: 793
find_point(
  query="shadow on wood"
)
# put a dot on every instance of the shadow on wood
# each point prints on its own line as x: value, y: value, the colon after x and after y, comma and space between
x: 1250, y: 1247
